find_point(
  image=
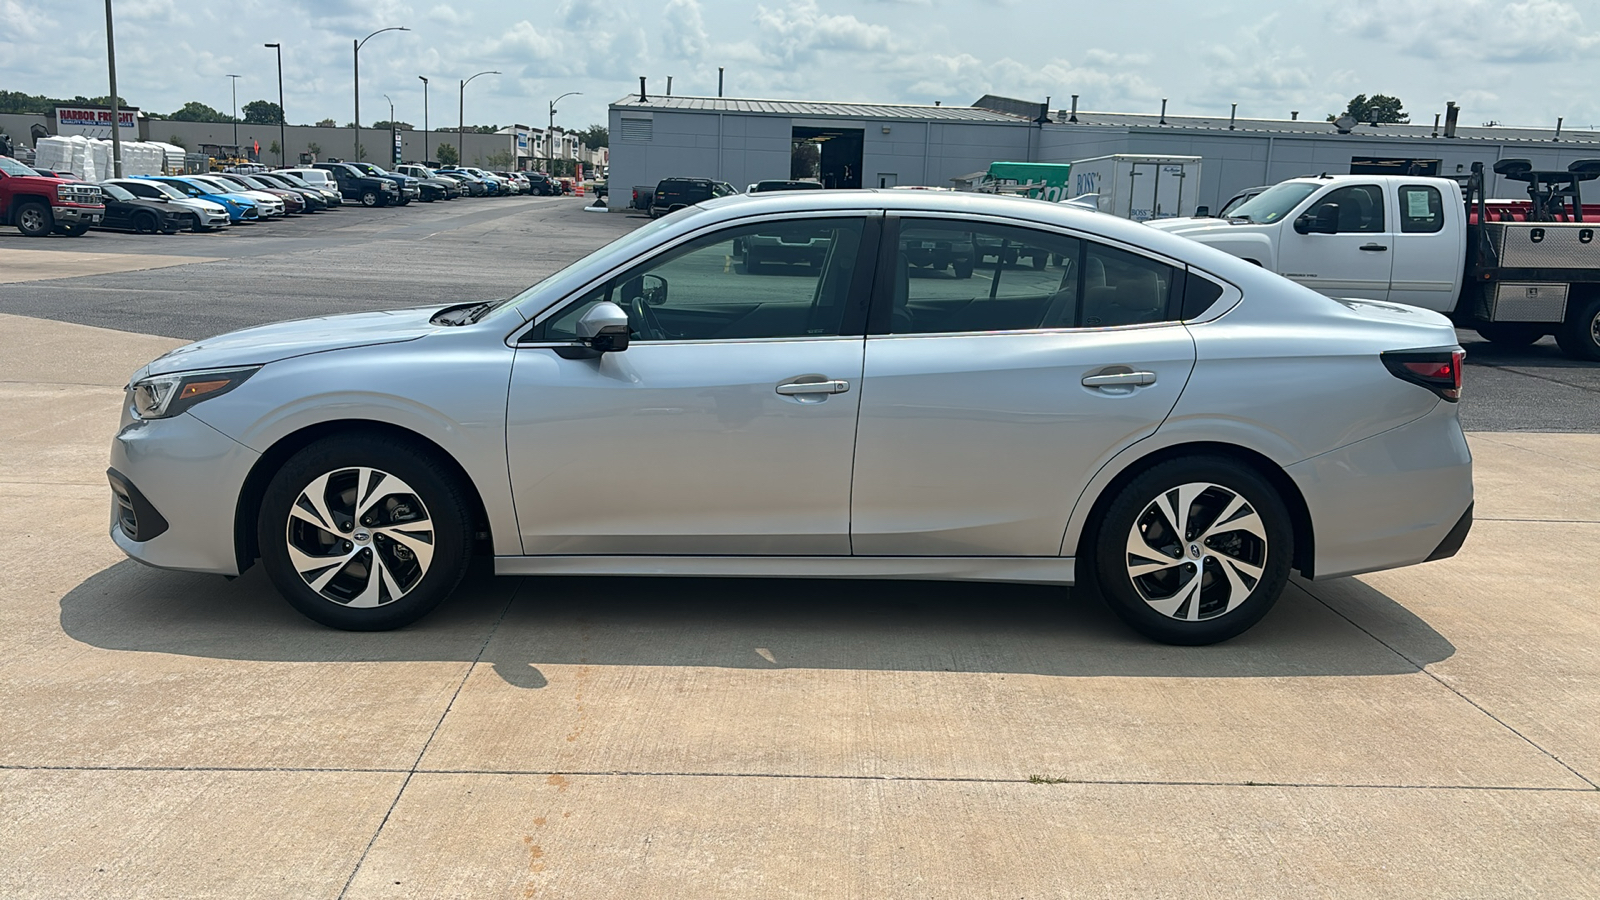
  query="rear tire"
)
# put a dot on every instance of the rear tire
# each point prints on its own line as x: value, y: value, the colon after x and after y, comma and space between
x: 1204, y: 582
x: 963, y: 268
x: 389, y: 560
x: 1579, y: 335
x: 1511, y: 334
x: 78, y: 230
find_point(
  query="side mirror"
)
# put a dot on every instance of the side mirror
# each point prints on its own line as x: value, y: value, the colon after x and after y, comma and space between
x: 1326, y: 220
x: 604, y: 328
x: 1202, y: 212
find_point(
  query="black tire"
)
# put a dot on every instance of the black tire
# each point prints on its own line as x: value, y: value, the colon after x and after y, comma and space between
x: 195, y: 224
x: 146, y: 223
x: 75, y: 230
x: 34, y: 219
x: 1511, y: 334
x: 1579, y: 335
x: 963, y: 268
x: 423, y: 583
x: 369, y: 199
x: 1039, y: 261
x: 1135, y: 598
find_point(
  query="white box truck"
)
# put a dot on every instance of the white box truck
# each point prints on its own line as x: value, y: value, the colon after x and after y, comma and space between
x: 1139, y: 186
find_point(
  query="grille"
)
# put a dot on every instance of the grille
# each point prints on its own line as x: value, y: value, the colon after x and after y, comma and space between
x: 81, y: 193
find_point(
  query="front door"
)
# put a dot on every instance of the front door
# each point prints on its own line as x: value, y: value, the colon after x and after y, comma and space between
x: 1357, y: 261
x: 727, y: 427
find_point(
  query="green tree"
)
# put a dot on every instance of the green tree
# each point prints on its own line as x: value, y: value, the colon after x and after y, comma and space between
x: 399, y: 126
x: 1380, y: 108
x: 327, y: 123
x: 595, y: 136
x: 361, y: 152
x: 263, y: 112
x: 499, y: 160
x: 447, y: 155
x: 314, y: 148
x: 195, y: 111
x: 482, y: 129
x: 177, y: 142
x: 274, y: 149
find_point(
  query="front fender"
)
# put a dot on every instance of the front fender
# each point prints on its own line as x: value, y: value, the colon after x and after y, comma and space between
x: 1257, y: 248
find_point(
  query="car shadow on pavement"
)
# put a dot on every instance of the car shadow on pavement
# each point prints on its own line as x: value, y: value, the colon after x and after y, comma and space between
x: 748, y: 623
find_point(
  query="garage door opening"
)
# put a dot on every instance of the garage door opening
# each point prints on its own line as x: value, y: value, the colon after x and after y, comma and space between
x: 831, y: 156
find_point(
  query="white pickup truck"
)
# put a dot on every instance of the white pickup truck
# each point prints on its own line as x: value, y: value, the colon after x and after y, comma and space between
x: 1530, y: 269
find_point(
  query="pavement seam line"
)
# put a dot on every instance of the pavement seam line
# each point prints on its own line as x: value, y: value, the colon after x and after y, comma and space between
x: 798, y: 776
x: 1488, y: 437
x: 1452, y: 689
x: 415, y: 764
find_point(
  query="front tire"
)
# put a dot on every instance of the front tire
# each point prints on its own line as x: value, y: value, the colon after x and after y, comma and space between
x: 369, y: 199
x: 146, y: 223
x: 1579, y: 335
x: 365, y: 532
x: 34, y: 220
x: 1193, y: 550
x: 76, y: 230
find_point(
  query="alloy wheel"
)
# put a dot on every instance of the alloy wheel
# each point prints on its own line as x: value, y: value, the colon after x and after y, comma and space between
x: 1197, y: 551
x: 360, y: 537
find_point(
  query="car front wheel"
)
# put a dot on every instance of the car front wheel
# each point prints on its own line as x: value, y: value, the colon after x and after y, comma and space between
x: 364, y: 533
x: 370, y: 198
x: 1193, y: 551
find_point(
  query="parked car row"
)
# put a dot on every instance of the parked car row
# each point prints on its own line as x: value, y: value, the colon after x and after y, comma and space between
x: 40, y: 203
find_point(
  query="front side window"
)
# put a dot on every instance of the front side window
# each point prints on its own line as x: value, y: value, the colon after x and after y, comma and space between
x: 1421, y: 210
x: 1360, y: 208
x: 771, y: 280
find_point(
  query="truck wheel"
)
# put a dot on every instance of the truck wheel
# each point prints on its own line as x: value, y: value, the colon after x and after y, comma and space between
x: 963, y: 268
x: 1579, y: 336
x: 370, y: 199
x: 78, y: 230
x: 34, y: 220
x: 1511, y: 334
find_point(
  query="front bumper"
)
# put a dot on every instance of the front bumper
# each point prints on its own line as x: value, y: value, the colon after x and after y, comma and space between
x: 186, y: 475
x: 78, y: 215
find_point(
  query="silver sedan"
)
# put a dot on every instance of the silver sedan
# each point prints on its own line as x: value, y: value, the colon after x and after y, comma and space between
x: 1077, y: 399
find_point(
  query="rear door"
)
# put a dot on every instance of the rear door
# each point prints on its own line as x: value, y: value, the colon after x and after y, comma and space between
x: 1428, y: 254
x: 1355, y: 262
x: 989, y: 400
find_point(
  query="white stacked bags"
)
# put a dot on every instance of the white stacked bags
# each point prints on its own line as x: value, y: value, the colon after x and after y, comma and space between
x: 90, y: 158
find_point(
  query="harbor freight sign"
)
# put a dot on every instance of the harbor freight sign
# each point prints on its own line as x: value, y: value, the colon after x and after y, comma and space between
x: 95, y: 121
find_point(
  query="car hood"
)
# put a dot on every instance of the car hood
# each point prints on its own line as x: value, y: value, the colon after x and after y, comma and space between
x: 283, y: 340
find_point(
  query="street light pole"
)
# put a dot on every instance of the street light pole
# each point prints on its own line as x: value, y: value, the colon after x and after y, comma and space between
x: 461, y: 124
x: 391, y: 129
x: 357, y: 54
x: 116, y: 111
x: 236, y: 114
x: 424, y: 119
x: 550, y: 134
x: 283, y: 118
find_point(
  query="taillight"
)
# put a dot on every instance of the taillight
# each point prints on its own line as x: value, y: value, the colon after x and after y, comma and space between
x: 1437, y: 369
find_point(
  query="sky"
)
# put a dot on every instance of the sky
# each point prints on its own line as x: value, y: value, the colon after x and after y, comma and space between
x: 1514, y: 62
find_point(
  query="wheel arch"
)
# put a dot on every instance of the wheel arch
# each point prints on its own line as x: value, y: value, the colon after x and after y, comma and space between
x: 1288, y: 491
x: 245, y: 540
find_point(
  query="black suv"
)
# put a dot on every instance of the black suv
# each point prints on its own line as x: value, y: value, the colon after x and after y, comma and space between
x: 357, y: 185
x: 673, y: 194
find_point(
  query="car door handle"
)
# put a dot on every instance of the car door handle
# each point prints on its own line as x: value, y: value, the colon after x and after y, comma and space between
x: 792, y: 388
x: 1120, y: 379
x: 1373, y: 247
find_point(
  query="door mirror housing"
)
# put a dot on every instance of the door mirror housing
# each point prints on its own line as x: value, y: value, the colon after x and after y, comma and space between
x: 1326, y: 220
x: 604, y: 328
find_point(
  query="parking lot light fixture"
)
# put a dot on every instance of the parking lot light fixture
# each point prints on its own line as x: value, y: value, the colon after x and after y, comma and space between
x: 550, y: 134
x: 283, y: 117
x: 357, y: 54
x: 424, y: 118
x: 116, y: 111
x: 236, y: 113
x: 461, y: 123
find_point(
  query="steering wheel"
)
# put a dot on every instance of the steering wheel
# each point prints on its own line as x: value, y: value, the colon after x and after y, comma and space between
x: 646, y: 324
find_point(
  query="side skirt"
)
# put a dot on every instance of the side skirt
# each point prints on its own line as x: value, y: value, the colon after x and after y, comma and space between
x: 1033, y: 570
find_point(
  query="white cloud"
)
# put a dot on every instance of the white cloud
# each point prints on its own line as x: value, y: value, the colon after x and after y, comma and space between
x: 799, y: 32
x: 1492, y: 30
x: 685, y: 32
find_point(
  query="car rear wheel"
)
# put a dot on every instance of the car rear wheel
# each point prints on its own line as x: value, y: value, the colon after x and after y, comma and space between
x: 78, y: 229
x: 364, y: 533
x: 1193, y: 551
x: 1579, y: 335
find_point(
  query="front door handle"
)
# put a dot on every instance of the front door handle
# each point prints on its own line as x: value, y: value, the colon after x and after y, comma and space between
x: 794, y: 388
x: 1372, y: 247
x: 1120, y: 379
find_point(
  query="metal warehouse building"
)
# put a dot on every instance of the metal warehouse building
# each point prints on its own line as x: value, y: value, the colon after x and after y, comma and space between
x: 741, y: 141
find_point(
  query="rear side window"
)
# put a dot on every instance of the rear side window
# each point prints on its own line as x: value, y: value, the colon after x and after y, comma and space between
x: 1421, y: 209
x: 1199, y: 293
x: 1122, y: 288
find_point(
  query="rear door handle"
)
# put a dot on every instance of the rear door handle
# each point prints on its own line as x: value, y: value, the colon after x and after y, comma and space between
x: 793, y: 388
x: 1120, y: 379
x: 1373, y: 247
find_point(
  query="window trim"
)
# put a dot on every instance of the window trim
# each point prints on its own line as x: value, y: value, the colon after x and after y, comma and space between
x: 861, y: 282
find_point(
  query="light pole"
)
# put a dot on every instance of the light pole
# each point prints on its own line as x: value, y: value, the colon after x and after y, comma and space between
x: 391, y: 130
x: 116, y: 111
x: 550, y: 135
x: 424, y: 118
x: 235, y: 114
x: 357, y: 53
x: 283, y: 118
x: 461, y: 124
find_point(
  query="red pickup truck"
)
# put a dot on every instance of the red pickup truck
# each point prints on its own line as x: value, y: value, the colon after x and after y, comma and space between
x: 39, y: 205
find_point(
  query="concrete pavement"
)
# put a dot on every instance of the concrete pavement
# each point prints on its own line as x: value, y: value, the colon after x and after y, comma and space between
x: 1430, y: 732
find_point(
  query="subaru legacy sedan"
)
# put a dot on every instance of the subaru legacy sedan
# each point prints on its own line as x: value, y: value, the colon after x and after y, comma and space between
x: 1097, y: 403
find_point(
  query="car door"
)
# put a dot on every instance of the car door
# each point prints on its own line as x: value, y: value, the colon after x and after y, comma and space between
x: 1355, y: 262
x: 991, y: 395
x: 727, y: 427
x: 1427, y: 269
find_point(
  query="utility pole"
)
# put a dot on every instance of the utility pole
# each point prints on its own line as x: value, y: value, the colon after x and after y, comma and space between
x: 235, y: 113
x: 424, y: 118
x: 357, y: 54
x: 116, y: 106
x: 392, y: 131
x: 550, y: 135
x: 283, y: 117
x: 461, y: 123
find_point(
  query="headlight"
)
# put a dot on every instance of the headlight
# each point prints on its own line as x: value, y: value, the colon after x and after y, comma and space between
x: 163, y: 396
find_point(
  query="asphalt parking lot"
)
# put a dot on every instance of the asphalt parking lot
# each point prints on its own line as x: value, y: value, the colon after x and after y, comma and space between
x: 1428, y: 732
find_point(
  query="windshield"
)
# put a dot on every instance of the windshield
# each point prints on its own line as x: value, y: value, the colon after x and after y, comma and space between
x: 1237, y: 202
x: 251, y: 182
x: 12, y: 167
x: 534, y: 299
x: 216, y: 187
x: 168, y: 189
x: 291, y: 179
x: 1275, y: 202
x: 115, y: 192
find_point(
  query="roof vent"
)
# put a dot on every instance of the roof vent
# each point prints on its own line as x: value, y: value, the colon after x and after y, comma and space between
x: 1345, y: 123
